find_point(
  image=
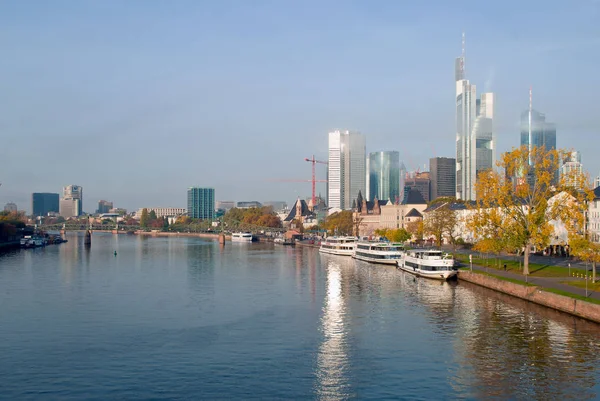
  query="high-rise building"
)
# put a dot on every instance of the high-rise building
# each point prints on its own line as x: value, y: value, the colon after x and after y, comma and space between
x: 535, y: 131
x: 346, y: 171
x: 443, y: 177
x: 383, y: 176
x: 73, y: 197
x: 571, y: 169
x: 10, y: 207
x: 104, y: 206
x: 201, y: 203
x: 43, y: 203
x: 475, y: 142
x: 419, y: 181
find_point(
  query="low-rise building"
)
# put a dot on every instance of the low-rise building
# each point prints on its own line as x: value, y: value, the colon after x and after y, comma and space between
x: 163, y: 211
x: 594, y: 216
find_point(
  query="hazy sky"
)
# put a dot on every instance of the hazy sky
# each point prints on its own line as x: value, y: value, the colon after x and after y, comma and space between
x: 138, y: 100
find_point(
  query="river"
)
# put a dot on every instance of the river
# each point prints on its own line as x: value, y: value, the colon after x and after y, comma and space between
x: 185, y: 318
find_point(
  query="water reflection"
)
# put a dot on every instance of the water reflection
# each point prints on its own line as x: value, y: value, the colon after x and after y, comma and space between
x: 332, y: 360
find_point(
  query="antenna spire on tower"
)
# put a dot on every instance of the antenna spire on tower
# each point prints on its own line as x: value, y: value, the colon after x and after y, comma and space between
x: 530, y: 115
x: 462, y: 54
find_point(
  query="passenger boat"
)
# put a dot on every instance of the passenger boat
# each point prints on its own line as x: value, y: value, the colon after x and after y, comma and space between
x: 428, y: 263
x: 343, y: 246
x: 33, y: 241
x: 387, y: 253
x: 241, y: 237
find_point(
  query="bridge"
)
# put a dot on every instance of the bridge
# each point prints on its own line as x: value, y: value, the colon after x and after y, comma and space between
x: 129, y: 228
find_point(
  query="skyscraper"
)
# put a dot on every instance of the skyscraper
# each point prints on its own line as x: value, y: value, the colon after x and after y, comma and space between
x: 536, y: 131
x: 104, y: 206
x: 44, y: 203
x: 383, y: 176
x: 201, y: 203
x: 346, y: 172
x: 475, y: 142
x: 571, y: 169
x: 443, y: 177
x: 72, y: 201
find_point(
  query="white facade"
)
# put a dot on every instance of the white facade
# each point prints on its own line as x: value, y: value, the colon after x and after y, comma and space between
x: 594, y: 217
x: 346, y: 172
x: 572, y: 168
x: 475, y: 139
x: 73, y: 198
x: 163, y: 211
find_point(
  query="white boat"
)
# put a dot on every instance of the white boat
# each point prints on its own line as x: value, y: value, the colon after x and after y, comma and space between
x: 241, y: 237
x: 343, y: 246
x: 428, y: 263
x: 387, y: 253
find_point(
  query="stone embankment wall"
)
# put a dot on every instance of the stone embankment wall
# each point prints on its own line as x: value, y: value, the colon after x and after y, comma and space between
x: 172, y: 234
x: 537, y: 295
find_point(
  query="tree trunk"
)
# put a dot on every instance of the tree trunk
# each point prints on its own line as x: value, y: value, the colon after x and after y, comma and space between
x: 526, y: 260
x: 593, y: 271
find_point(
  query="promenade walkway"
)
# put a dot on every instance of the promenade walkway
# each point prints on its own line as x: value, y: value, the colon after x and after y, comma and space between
x: 542, y: 282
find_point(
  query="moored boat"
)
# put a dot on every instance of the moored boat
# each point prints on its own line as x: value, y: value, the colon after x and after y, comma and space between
x: 428, y: 263
x: 241, y: 237
x: 387, y: 253
x: 343, y: 246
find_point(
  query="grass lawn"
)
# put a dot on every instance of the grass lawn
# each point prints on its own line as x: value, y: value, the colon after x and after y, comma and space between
x: 581, y: 284
x: 535, y: 269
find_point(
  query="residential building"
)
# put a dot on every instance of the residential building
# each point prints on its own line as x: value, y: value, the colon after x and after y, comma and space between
x: 104, y: 206
x: 419, y: 181
x: 475, y: 139
x: 248, y: 204
x: 346, y: 170
x: 594, y: 216
x: 118, y: 210
x: 10, y: 207
x: 163, y: 211
x: 201, y: 203
x: 383, y: 176
x: 225, y: 205
x: 442, y: 171
x: 43, y: 203
x: 571, y: 169
x: 72, y: 193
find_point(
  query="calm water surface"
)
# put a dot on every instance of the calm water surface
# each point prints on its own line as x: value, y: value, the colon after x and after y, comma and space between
x: 183, y: 318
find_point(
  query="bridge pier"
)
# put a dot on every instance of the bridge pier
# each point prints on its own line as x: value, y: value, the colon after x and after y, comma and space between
x: 87, y: 240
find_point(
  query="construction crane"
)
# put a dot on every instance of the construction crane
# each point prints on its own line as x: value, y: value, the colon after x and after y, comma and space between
x: 314, y: 178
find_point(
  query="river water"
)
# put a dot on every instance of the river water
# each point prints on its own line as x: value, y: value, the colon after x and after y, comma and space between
x: 184, y: 318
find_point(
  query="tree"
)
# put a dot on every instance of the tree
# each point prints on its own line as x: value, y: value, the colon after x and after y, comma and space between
x: 587, y: 251
x: 339, y: 223
x: 144, y: 218
x: 394, y: 234
x: 415, y: 229
x: 440, y: 222
x: 152, y: 215
x: 528, y: 197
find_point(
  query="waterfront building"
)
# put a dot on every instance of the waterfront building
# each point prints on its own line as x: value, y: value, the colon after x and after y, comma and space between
x: 10, y: 207
x: 276, y: 205
x: 73, y: 199
x: 442, y: 171
x: 225, y: 205
x: 475, y: 139
x: 383, y: 176
x: 594, y: 216
x: 376, y: 214
x: 43, y: 203
x: 571, y: 168
x: 419, y: 181
x: 163, y: 211
x: 104, y: 206
x: 346, y: 170
x: 201, y: 203
x: 248, y: 204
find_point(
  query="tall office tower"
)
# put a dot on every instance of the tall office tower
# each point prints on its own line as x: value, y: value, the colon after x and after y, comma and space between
x: 535, y: 131
x: 383, y: 176
x: 475, y: 142
x: 346, y: 171
x: 73, y: 193
x: 201, y: 203
x: 443, y: 177
x: 104, y: 206
x: 44, y: 203
x: 402, y: 180
x: 571, y: 168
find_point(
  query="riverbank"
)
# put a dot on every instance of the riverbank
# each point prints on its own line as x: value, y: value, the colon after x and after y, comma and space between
x: 539, y: 291
x: 178, y: 234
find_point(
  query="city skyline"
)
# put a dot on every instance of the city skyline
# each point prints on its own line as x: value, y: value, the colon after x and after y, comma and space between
x: 109, y: 113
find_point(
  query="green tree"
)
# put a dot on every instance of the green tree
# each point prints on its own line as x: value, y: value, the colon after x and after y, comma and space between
x: 394, y: 234
x: 339, y: 223
x: 144, y: 218
x: 440, y: 222
x: 587, y: 251
x: 152, y: 215
x: 527, y: 196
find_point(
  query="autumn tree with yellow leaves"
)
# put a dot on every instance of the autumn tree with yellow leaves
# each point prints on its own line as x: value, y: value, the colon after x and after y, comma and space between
x: 517, y: 202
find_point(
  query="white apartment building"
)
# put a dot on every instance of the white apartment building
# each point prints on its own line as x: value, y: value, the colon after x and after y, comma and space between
x: 594, y: 217
x: 346, y: 170
x: 162, y: 211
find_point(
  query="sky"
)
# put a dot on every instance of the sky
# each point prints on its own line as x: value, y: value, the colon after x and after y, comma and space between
x: 138, y: 100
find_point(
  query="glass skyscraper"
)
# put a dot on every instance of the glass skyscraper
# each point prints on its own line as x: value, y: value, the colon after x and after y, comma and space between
x: 346, y: 171
x: 383, y: 176
x: 542, y: 133
x: 43, y: 203
x: 475, y: 142
x: 201, y: 203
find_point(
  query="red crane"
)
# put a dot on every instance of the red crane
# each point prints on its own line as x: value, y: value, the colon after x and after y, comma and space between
x: 314, y: 178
